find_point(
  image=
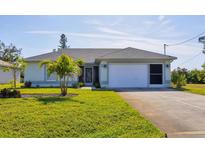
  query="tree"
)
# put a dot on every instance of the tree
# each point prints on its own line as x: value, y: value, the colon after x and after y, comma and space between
x: 17, y: 66
x: 178, y: 77
x: 63, y: 41
x: 9, y: 53
x: 64, y: 67
x: 203, y: 66
x: 12, y: 54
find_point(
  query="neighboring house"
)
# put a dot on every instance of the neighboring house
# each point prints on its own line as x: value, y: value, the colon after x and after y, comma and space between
x: 112, y: 68
x: 7, y: 76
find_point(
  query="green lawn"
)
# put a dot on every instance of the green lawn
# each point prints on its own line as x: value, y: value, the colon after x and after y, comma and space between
x: 9, y: 85
x: 90, y: 114
x: 194, y: 88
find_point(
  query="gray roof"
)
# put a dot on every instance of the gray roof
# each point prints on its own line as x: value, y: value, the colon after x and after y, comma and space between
x: 5, y: 64
x: 89, y: 55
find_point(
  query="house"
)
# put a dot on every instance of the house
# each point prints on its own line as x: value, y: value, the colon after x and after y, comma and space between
x: 112, y: 68
x: 7, y: 76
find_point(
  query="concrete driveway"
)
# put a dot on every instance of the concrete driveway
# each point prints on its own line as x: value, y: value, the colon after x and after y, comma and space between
x: 179, y: 114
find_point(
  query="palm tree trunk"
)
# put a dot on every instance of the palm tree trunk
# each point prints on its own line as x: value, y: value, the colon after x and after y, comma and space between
x: 61, y: 86
x: 64, y: 86
x: 67, y: 84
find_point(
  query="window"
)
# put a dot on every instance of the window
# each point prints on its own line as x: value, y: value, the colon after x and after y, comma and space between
x: 52, y: 77
x: 155, y: 73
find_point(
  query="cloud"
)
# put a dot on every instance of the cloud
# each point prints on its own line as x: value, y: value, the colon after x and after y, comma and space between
x: 161, y: 17
x: 165, y: 22
x: 110, y: 23
x: 149, y: 22
x: 42, y: 32
x: 111, y: 31
x: 93, y: 22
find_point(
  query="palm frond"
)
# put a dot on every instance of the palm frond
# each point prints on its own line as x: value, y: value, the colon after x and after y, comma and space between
x: 45, y: 62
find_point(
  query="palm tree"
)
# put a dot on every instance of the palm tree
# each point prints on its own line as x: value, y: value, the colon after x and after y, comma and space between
x: 64, y: 67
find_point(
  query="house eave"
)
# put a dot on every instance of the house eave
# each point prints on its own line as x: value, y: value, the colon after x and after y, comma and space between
x: 134, y: 59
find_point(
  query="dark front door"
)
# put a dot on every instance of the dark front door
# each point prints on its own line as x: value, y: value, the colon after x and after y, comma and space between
x: 95, y: 74
x: 88, y: 75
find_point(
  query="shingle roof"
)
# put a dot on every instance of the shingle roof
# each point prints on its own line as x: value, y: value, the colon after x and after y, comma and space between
x: 5, y: 64
x: 89, y: 55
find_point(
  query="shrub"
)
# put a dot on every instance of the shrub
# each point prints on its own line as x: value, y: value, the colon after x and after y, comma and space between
x: 81, y: 84
x: 37, y: 86
x: 51, y: 86
x: 178, y: 78
x: 75, y: 85
x: 97, y: 85
x: 28, y: 84
x: 10, y: 93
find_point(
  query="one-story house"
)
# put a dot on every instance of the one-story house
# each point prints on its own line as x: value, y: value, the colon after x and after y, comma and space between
x: 112, y: 68
x: 7, y: 76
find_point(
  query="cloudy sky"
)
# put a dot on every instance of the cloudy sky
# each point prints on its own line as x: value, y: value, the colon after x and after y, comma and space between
x: 40, y: 34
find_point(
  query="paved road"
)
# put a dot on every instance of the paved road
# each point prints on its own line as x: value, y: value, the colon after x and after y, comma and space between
x: 179, y: 114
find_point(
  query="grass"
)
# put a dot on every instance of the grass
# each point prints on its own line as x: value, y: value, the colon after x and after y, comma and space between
x: 89, y: 114
x: 194, y: 88
x: 2, y: 86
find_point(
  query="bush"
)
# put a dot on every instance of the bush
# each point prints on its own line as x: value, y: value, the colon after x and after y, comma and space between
x: 10, y: 93
x: 81, y: 84
x: 194, y: 76
x: 97, y: 85
x: 28, y: 84
x: 75, y: 85
x: 178, y: 78
x: 37, y: 86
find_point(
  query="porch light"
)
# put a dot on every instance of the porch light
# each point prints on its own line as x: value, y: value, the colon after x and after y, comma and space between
x: 167, y: 65
x: 104, y: 65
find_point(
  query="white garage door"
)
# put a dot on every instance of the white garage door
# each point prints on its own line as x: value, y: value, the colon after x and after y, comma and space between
x: 128, y: 75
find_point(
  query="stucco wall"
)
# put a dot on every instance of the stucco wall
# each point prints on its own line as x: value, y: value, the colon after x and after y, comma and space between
x: 167, y: 73
x: 38, y: 76
x: 103, y: 74
x: 33, y: 72
x: 6, y: 77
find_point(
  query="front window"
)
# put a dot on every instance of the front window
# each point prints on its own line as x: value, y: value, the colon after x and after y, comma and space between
x: 52, y: 77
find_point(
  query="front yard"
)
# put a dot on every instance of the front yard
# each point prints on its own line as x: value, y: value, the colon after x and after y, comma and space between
x: 89, y: 114
x: 194, y: 88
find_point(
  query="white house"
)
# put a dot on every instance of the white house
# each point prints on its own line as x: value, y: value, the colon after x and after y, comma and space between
x: 7, y: 76
x: 112, y: 68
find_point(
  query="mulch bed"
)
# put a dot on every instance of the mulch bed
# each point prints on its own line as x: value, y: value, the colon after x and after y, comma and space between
x: 46, y: 95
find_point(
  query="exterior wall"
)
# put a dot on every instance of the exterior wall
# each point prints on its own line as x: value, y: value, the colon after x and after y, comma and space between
x: 103, y: 74
x: 6, y: 77
x: 167, y: 74
x: 39, y: 78
x: 34, y: 73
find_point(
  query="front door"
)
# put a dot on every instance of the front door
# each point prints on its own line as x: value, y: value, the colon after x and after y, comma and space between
x: 88, y: 76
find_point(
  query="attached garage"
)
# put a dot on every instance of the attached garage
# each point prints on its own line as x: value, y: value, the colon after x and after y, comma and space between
x: 128, y: 75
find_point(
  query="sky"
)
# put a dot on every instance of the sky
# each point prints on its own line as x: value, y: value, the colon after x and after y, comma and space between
x: 40, y: 34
